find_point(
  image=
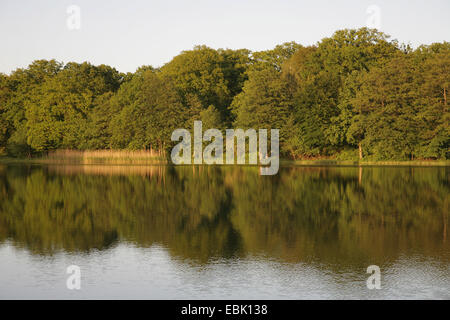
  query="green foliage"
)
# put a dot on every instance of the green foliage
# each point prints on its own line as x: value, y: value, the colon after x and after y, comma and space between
x: 322, y: 105
x: 356, y: 90
x: 211, y: 76
x: 210, y: 118
x: 266, y: 100
x: 59, y: 109
x: 152, y: 109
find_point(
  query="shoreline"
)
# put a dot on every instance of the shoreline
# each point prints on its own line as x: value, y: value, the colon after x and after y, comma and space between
x: 283, y: 162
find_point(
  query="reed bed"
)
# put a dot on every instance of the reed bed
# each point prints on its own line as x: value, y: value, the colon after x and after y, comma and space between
x: 106, y: 157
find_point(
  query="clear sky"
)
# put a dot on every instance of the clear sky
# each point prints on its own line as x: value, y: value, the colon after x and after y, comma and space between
x: 129, y: 33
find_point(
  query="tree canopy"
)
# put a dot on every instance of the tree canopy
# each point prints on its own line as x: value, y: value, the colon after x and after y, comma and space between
x: 356, y: 94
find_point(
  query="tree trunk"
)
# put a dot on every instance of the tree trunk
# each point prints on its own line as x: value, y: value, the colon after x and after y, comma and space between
x: 445, y: 97
x: 360, y: 151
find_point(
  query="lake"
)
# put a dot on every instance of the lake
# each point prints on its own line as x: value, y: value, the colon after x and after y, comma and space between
x: 164, y: 232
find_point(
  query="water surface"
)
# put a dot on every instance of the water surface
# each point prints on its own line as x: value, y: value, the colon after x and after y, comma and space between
x: 224, y: 232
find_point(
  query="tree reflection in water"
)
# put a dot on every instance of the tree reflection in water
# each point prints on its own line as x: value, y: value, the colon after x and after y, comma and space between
x: 334, y: 215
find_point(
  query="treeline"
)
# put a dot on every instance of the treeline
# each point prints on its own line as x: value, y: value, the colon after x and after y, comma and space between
x: 354, y: 95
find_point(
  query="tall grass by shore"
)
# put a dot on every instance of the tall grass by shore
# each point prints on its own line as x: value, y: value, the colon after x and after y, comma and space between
x: 105, y: 157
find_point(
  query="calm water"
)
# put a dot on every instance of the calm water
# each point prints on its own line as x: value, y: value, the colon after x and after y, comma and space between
x: 184, y: 232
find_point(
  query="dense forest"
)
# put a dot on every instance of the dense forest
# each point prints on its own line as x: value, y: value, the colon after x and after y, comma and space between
x: 357, y: 94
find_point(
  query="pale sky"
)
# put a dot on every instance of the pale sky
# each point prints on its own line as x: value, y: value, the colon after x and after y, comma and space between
x: 126, y: 34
